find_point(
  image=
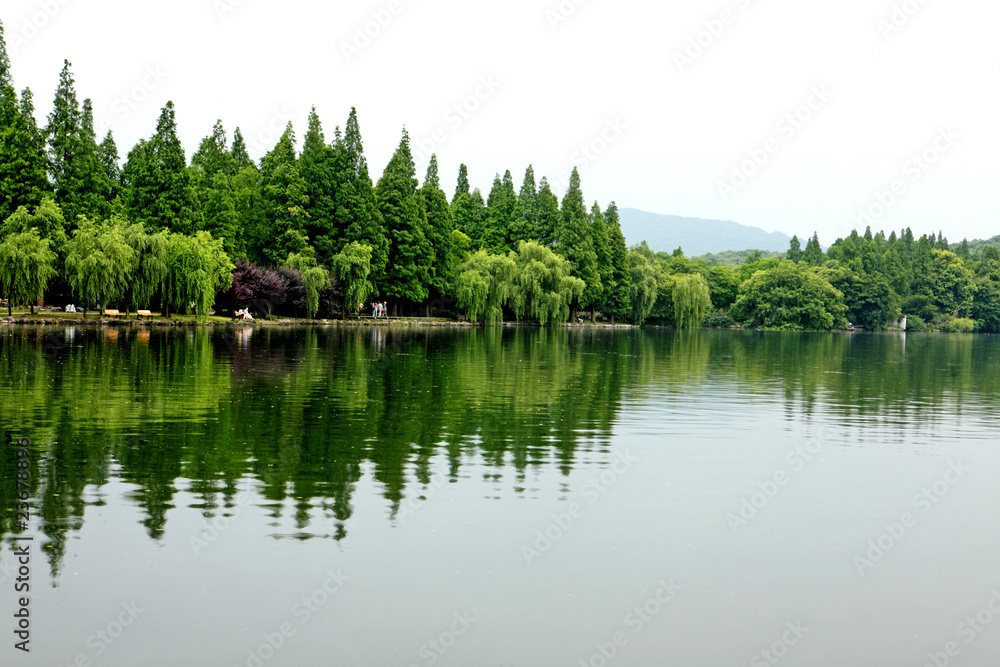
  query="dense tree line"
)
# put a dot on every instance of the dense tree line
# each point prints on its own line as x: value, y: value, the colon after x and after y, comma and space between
x: 310, y: 233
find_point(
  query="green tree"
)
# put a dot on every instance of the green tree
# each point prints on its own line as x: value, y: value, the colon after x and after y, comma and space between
x: 813, y: 254
x: 408, y: 270
x: 575, y: 243
x: 499, y: 209
x: 315, y: 279
x: 691, y: 300
x: 483, y: 286
x: 158, y: 186
x: 541, y: 285
x: 525, y: 217
x: 462, y: 186
x: 197, y: 268
x: 318, y: 166
x: 469, y: 213
x: 98, y: 262
x: 441, y: 226
x: 357, y: 212
x: 352, y: 266
x: 794, y: 253
x: 621, y: 272
x: 149, y: 266
x: 23, y: 163
x: 643, y: 285
x: 602, y: 248
x: 221, y: 217
x: 26, y: 266
x: 283, y: 201
x: 867, y: 297
x: 547, y: 217
x: 789, y: 296
x: 66, y: 157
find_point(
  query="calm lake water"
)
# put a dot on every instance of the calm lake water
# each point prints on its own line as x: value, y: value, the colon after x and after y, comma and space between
x: 336, y: 496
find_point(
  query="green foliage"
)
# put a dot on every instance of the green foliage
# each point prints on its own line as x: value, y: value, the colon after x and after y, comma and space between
x: 283, y: 201
x: 867, y: 297
x: 440, y: 228
x: 23, y: 163
x: 26, y: 266
x: 618, y: 298
x: 575, y: 242
x: 789, y: 296
x: 197, y: 268
x: 794, y: 253
x: 99, y: 261
x: 411, y: 256
x: 691, y: 300
x: 813, y: 254
x: 483, y: 286
x: 643, y: 285
x: 734, y: 258
x: 542, y: 286
x: 149, y: 265
x: 959, y: 325
x: 357, y: 212
x: 353, y: 266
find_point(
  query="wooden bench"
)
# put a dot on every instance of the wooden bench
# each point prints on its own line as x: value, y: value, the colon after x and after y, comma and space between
x: 139, y: 314
x: 111, y: 312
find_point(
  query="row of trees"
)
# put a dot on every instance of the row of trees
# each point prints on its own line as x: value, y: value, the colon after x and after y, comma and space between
x: 310, y: 233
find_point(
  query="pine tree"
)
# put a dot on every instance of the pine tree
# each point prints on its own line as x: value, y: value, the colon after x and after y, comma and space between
x: 499, y: 207
x: 441, y: 226
x: 241, y: 158
x: 213, y: 156
x: 283, y: 202
x: 547, y: 214
x: 158, y: 186
x: 602, y: 248
x: 574, y: 241
x: 65, y: 149
x: 108, y: 155
x: 95, y: 193
x: 469, y: 212
x: 524, y: 220
x: 794, y: 253
x: 318, y: 166
x: 813, y: 254
x: 462, y: 187
x: 408, y: 270
x: 24, y: 177
x: 221, y: 218
x: 621, y: 275
x: 357, y: 214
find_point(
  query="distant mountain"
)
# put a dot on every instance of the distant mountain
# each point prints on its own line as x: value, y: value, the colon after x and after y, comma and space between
x: 695, y: 235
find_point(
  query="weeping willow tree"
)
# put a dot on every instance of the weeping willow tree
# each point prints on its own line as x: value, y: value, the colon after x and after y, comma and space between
x: 26, y: 266
x: 149, y: 266
x: 315, y: 278
x: 197, y: 267
x: 642, y: 286
x: 99, y: 261
x: 353, y: 265
x: 484, y: 286
x: 542, y: 286
x: 691, y: 300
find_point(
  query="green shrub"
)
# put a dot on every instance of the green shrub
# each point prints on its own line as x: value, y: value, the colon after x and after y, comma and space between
x: 959, y: 325
x: 915, y: 323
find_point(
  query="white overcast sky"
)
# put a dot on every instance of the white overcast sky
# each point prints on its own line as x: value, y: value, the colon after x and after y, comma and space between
x: 671, y: 134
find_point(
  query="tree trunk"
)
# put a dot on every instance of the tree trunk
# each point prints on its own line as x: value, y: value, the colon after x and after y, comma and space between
x: 31, y: 307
